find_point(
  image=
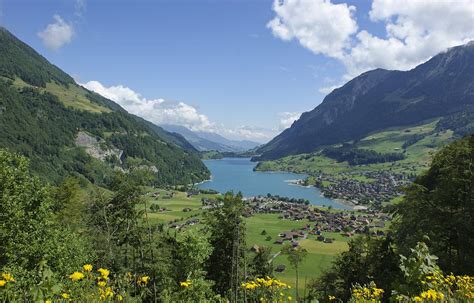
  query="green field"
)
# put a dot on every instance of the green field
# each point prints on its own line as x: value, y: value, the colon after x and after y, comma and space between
x: 320, y: 255
x: 72, y: 96
x: 417, y: 156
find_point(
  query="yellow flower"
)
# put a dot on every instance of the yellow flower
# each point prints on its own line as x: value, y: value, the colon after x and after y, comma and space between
x: 186, y: 283
x: 65, y: 295
x: 119, y: 297
x: 48, y: 301
x: 104, y: 272
x: 76, y: 276
x: 8, y: 277
x: 87, y: 267
x: 290, y: 298
x: 332, y: 298
x: 101, y: 283
x: 144, y: 280
x: 2, y: 283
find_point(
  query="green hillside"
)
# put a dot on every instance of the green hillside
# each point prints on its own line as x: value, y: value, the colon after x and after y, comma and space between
x: 43, y: 112
x: 380, y: 99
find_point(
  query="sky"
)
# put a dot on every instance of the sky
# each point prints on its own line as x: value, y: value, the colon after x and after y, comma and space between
x: 245, y: 69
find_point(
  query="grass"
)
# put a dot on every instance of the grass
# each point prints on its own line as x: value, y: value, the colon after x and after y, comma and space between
x: 418, y: 155
x: 320, y: 255
x: 73, y: 96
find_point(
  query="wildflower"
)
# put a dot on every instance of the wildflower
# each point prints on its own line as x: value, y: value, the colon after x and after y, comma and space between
x: 8, y: 277
x: 2, y: 283
x: 119, y: 297
x: 290, y: 298
x: 76, y: 276
x: 48, y: 301
x: 65, y: 295
x: 87, y: 267
x: 102, y: 283
x: 332, y: 298
x: 143, y: 280
x: 186, y: 283
x: 104, y: 272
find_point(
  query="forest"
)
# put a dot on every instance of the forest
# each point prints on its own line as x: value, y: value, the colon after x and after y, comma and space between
x: 66, y: 244
x: 357, y: 156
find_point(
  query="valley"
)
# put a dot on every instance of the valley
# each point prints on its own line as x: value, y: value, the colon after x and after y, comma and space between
x: 111, y: 194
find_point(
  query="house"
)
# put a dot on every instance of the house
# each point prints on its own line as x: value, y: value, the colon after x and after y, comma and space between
x: 255, y: 248
x: 280, y: 268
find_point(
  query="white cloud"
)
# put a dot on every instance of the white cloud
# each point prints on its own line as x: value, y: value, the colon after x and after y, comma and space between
x: 160, y: 111
x: 57, y: 34
x: 319, y: 25
x: 287, y: 118
x: 246, y: 132
x: 414, y: 31
x: 79, y: 8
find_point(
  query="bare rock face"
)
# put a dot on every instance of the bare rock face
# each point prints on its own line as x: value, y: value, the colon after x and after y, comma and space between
x: 96, y: 147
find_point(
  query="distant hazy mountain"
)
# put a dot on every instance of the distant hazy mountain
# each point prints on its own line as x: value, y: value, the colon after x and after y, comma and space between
x: 204, y: 141
x: 441, y: 87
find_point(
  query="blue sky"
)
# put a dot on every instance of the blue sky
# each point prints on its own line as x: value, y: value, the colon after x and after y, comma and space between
x: 219, y: 65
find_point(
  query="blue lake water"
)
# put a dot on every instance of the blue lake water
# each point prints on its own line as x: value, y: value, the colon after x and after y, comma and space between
x: 237, y: 174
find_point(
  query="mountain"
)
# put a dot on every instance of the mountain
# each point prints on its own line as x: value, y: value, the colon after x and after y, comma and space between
x: 379, y: 99
x: 65, y: 129
x: 206, y: 141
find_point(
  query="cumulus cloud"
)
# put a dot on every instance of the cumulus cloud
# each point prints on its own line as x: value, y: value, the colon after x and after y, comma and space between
x: 158, y: 111
x: 246, y: 132
x: 322, y: 27
x: 161, y: 111
x: 287, y: 118
x: 414, y: 31
x: 57, y: 34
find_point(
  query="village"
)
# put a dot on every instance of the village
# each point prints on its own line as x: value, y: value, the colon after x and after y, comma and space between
x: 372, y: 188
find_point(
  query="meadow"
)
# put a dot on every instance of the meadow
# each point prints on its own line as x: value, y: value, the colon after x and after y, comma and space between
x: 320, y: 255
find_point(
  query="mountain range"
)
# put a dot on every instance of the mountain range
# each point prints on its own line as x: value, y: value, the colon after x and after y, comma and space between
x: 65, y: 129
x: 207, y: 141
x: 442, y: 87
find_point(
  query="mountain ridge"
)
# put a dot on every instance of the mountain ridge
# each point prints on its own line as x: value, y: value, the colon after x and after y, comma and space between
x: 379, y: 99
x: 206, y: 141
x: 43, y: 110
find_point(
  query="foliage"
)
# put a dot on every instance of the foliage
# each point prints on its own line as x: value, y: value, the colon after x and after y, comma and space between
x: 40, y: 127
x: 357, y: 156
x: 440, y: 205
x: 367, y: 259
x: 20, y: 60
x: 225, y: 265
x: 295, y: 257
x: 29, y: 231
x: 261, y: 264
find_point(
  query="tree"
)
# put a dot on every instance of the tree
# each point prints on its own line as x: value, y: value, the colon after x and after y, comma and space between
x: 29, y: 231
x: 115, y: 224
x: 261, y: 265
x: 367, y: 259
x: 226, y: 264
x: 295, y: 257
x: 439, y: 206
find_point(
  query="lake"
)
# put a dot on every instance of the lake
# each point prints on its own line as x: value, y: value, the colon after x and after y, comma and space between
x: 237, y: 174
